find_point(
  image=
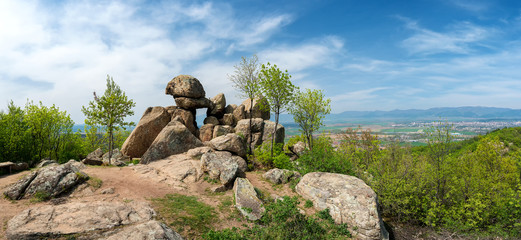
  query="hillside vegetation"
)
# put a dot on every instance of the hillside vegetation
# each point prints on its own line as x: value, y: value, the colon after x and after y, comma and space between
x: 472, y: 187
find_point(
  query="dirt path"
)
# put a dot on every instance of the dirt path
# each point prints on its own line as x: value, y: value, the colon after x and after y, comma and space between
x: 129, y: 185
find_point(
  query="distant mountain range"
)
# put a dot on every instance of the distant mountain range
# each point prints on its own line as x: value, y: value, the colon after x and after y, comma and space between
x: 444, y: 113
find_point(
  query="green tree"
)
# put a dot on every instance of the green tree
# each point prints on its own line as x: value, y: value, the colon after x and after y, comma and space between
x: 276, y: 86
x: 110, y: 111
x: 309, y: 109
x: 50, y: 129
x: 246, y: 80
x: 14, y: 135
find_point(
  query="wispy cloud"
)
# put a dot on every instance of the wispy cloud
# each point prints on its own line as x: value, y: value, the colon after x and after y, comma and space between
x: 459, y: 38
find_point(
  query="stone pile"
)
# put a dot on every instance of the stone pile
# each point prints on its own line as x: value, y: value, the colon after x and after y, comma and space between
x: 165, y: 131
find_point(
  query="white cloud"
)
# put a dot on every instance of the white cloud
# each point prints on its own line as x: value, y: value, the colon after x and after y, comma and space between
x: 299, y: 57
x: 460, y: 38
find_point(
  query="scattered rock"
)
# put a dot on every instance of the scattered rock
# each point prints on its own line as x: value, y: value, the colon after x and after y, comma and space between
x: 227, y: 119
x: 230, y: 142
x: 258, y: 112
x: 20, y: 166
x: 246, y: 199
x: 211, y: 120
x: 149, y: 126
x: 196, y: 153
x: 269, y: 128
x: 349, y: 201
x: 193, y: 103
x: 219, y: 103
x: 221, y: 130
x: 108, y: 191
x: 281, y: 176
x: 206, y: 132
x: 50, y: 221
x: 148, y: 230
x: 221, y: 165
x: 187, y: 118
x: 175, y: 138
x: 185, y: 86
x: 49, y: 182
x: 298, y: 148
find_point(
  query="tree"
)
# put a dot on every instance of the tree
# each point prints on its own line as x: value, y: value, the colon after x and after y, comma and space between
x: 109, y: 110
x: 276, y: 86
x: 246, y: 80
x: 14, y: 135
x: 309, y: 109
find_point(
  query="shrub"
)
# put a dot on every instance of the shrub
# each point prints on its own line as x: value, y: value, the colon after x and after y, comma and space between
x: 263, y: 156
x: 324, y: 158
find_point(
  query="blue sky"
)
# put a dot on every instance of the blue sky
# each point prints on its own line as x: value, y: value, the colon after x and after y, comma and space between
x: 364, y: 55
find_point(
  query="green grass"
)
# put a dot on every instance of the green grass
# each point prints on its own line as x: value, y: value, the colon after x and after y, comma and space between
x: 40, y: 196
x: 95, y: 183
x: 185, y: 214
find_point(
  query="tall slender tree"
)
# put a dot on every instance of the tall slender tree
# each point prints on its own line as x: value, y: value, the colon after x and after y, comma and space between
x: 246, y: 80
x: 309, y: 109
x: 110, y: 111
x: 276, y: 86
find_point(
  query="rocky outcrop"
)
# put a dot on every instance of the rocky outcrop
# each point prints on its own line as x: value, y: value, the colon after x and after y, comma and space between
x: 211, y: 120
x: 88, y: 219
x: 219, y: 103
x: 94, y: 158
x: 197, y: 153
x: 175, y: 138
x: 187, y: 118
x: 149, y: 126
x: 281, y: 176
x: 185, y: 86
x: 230, y: 142
x: 223, y: 166
x: 349, y: 201
x: 193, y: 103
x: 46, y: 162
x: 246, y: 200
x: 48, y: 182
x: 257, y: 129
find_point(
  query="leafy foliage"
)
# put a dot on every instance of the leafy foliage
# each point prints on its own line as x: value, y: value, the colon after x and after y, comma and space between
x: 263, y: 156
x: 246, y: 80
x: 324, y: 158
x: 109, y: 110
x: 276, y: 86
x: 283, y: 220
x: 308, y: 110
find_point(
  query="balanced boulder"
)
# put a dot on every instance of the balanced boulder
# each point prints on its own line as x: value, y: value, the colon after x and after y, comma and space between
x: 349, y: 201
x: 152, y: 122
x: 185, y: 86
x: 193, y: 103
x: 175, y: 138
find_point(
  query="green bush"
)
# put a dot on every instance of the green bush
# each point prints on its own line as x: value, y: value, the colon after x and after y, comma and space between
x: 263, y: 156
x: 324, y: 158
x: 283, y: 220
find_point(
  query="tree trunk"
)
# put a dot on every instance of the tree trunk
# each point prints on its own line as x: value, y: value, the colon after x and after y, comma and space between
x: 251, y: 134
x: 275, y: 130
x: 110, y: 145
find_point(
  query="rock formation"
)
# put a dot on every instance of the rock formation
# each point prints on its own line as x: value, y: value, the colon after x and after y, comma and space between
x: 349, y: 201
x: 165, y: 131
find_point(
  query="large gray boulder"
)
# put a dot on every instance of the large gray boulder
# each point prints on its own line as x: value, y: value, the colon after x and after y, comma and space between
x: 238, y: 114
x: 193, y: 103
x: 154, y: 119
x: 349, y: 201
x: 281, y: 176
x: 55, y: 221
x: 269, y: 129
x: 258, y: 111
x: 206, y: 132
x: 94, y: 158
x: 221, y: 130
x: 175, y: 138
x: 223, y: 166
x: 48, y: 181
x: 230, y: 142
x: 246, y: 200
x: 257, y: 130
x: 185, y: 86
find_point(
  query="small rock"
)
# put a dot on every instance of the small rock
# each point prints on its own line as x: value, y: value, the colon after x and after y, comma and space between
x: 108, y: 191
